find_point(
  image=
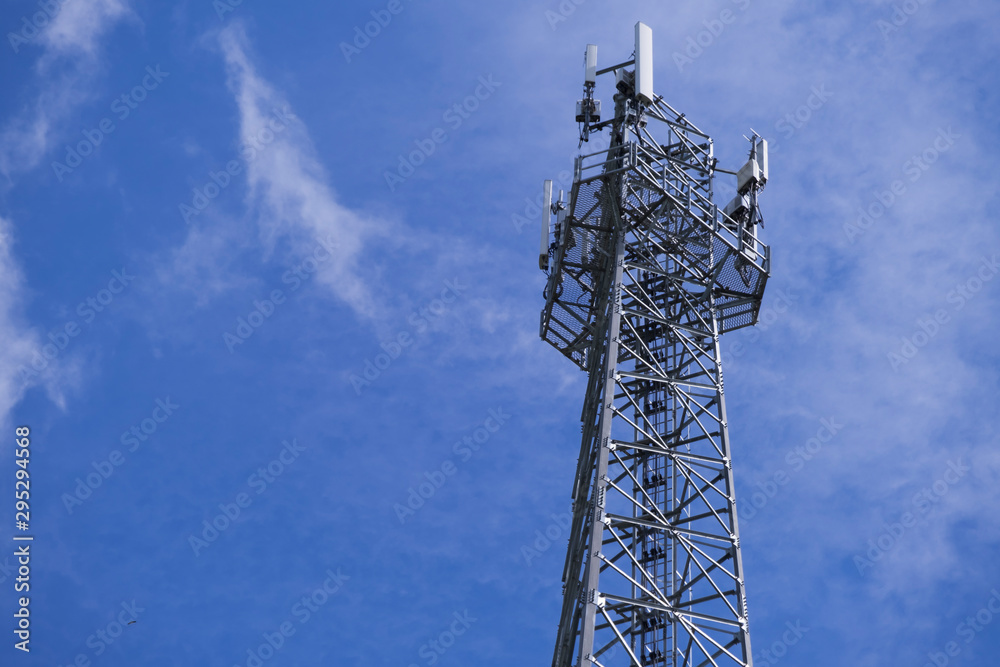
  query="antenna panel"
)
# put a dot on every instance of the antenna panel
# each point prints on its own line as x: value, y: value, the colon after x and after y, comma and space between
x: 543, y: 250
x: 644, y: 63
x: 591, y: 64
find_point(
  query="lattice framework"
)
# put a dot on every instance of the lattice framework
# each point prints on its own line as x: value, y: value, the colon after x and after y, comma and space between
x: 646, y: 274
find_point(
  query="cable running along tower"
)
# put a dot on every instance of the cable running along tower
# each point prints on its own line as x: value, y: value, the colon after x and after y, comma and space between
x: 645, y: 272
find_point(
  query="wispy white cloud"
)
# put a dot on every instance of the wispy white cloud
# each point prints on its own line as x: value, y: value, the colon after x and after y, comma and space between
x: 79, y: 25
x: 287, y: 184
x: 65, y: 72
x: 204, y: 265
x: 21, y: 344
x: 294, y: 206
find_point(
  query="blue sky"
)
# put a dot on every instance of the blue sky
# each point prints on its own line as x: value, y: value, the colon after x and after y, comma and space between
x: 231, y: 257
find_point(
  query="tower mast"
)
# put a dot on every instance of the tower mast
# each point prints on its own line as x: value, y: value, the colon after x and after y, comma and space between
x: 645, y: 273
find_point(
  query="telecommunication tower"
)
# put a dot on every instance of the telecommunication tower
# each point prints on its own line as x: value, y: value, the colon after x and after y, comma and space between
x: 645, y: 272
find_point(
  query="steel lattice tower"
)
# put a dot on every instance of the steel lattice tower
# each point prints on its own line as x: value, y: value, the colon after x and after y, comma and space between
x: 645, y: 273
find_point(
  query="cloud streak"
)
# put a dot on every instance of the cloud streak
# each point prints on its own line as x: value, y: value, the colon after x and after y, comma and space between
x: 79, y: 25
x: 65, y: 72
x: 287, y: 183
x: 21, y: 343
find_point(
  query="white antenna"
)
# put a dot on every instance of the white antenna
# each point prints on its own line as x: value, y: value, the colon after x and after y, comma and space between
x: 543, y: 251
x: 754, y: 172
x: 588, y: 110
x: 591, y: 65
x: 644, y: 63
x: 761, y: 150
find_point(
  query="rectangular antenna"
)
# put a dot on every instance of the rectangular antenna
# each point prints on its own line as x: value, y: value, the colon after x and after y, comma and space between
x: 543, y: 251
x: 591, y: 64
x: 762, y: 158
x: 644, y: 63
